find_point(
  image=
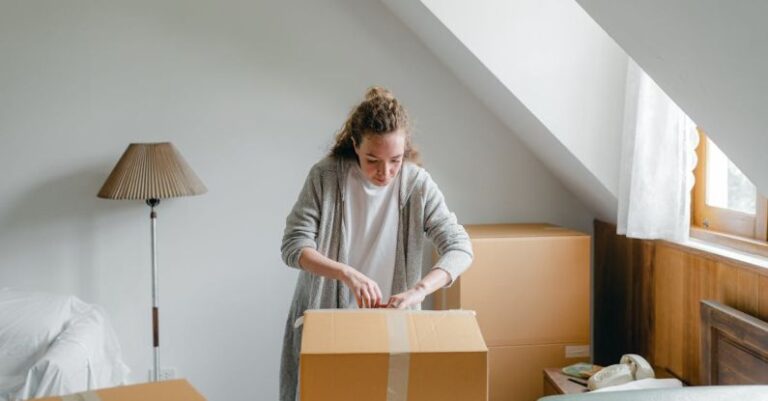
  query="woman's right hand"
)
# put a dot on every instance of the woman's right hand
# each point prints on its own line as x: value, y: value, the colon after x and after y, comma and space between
x: 366, y: 291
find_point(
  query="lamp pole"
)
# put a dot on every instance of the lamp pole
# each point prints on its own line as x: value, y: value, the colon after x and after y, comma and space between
x: 155, y: 292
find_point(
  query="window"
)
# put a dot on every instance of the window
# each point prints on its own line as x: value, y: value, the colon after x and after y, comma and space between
x: 726, y: 205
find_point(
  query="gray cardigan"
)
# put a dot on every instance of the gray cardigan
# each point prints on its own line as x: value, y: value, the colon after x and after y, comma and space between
x: 316, y: 222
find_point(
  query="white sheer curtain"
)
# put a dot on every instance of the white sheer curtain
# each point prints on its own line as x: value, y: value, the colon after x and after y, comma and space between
x: 658, y: 156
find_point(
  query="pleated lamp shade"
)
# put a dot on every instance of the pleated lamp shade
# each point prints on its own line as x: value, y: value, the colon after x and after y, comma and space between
x: 151, y: 171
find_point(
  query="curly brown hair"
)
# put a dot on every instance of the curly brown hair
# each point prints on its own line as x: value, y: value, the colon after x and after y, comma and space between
x: 379, y: 114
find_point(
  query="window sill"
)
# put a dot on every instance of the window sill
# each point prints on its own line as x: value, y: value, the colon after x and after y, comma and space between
x: 703, y: 242
x: 749, y: 246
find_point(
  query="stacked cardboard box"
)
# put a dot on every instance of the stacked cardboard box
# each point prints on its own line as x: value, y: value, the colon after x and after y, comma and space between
x: 530, y: 287
x: 387, y: 354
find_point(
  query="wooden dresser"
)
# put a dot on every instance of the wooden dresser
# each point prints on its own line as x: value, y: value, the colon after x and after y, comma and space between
x: 530, y: 287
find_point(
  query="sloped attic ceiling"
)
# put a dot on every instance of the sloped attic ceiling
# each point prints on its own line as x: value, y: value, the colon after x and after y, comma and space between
x: 545, y: 69
x: 711, y: 57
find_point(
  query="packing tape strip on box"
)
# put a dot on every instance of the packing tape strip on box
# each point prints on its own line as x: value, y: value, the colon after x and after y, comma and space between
x: 87, y: 396
x: 399, y: 357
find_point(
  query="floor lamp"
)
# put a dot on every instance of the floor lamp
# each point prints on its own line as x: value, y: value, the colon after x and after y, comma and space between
x: 150, y: 172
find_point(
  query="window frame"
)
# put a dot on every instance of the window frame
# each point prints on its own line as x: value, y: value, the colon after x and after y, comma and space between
x: 727, y: 227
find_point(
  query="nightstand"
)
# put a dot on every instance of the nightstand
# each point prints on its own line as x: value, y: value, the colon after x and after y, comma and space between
x: 556, y: 382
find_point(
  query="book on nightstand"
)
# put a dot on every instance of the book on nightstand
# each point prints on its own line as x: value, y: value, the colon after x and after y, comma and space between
x: 581, y: 370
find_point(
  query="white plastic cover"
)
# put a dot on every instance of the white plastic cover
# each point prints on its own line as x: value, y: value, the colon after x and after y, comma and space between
x: 55, y: 345
x: 643, y: 384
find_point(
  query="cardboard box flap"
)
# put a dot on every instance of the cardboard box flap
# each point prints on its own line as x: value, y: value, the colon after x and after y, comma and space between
x: 519, y: 231
x: 384, y: 331
x: 170, y: 390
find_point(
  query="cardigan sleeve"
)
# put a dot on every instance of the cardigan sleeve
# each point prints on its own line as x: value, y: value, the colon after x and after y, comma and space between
x: 302, y: 224
x: 446, y: 234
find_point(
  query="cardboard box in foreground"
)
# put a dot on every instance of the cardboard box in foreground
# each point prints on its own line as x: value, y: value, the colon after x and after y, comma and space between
x: 411, y: 355
x: 170, y: 390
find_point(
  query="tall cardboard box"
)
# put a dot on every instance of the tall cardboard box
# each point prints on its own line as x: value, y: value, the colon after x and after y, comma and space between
x: 530, y: 287
x: 387, y: 354
x: 170, y: 390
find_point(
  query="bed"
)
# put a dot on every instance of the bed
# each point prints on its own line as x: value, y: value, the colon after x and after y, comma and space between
x: 734, y: 346
x: 734, y: 355
x: 53, y: 345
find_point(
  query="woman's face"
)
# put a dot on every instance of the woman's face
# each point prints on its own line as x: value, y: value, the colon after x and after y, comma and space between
x: 381, y: 156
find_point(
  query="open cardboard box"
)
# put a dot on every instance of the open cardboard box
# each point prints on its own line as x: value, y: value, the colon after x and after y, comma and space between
x: 170, y: 390
x: 387, y: 354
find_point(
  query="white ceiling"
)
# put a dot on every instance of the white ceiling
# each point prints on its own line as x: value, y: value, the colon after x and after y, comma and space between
x: 711, y: 57
x: 545, y: 69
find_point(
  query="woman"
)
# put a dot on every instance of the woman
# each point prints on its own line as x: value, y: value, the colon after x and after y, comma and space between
x: 357, y: 230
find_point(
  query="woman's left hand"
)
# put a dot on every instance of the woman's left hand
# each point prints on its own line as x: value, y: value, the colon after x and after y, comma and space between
x: 408, y: 298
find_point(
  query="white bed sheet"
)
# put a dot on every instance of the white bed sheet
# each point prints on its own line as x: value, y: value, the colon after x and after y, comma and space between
x: 642, y: 384
x: 55, y: 345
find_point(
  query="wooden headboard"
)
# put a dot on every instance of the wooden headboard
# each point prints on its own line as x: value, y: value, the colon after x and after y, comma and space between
x: 734, y: 346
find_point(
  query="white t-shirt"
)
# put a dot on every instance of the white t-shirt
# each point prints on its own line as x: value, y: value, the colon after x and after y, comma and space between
x: 371, y: 217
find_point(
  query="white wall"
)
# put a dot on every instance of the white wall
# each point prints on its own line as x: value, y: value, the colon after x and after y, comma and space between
x: 710, y: 57
x: 251, y: 94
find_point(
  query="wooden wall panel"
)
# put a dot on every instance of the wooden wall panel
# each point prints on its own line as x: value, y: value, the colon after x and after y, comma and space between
x: 649, y: 291
x: 726, y: 282
x: 762, y: 303
x: 669, y: 308
x: 747, y: 291
x: 698, y: 284
x: 622, y: 291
